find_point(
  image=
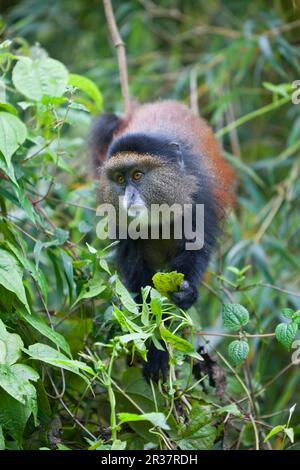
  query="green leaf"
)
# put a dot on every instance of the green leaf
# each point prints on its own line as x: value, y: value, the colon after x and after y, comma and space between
x: 118, y: 445
x: 8, y: 170
x: 15, y: 381
x: 290, y: 434
x: 199, y: 434
x: 288, y: 312
x: 234, y: 316
x: 37, y: 274
x: 88, y: 86
x: 40, y: 77
x: 125, y: 323
x: 238, y: 351
x: 2, y: 441
x: 11, y: 276
x: 274, y: 431
x: 13, y: 416
x: 125, y: 298
x: 231, y: 409
x: 12, y: 134
x: 91, y: 289
x: 44, y: 353
x: 10, y: 346
x: 167, y: 282
x: 45, y: 330
x: 157, y: 419
x: 286, y: 333
x: 175, y: 341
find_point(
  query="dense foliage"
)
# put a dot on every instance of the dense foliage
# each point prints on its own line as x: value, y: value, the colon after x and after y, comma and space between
x: 72, y: 338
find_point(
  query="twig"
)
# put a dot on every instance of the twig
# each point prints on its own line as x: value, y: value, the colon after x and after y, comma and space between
x: 120, y: 46
x: 70, y: 412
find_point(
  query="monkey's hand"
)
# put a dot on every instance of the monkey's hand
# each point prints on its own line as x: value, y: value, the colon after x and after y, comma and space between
x: 157, y: 364
x: 186, y: 296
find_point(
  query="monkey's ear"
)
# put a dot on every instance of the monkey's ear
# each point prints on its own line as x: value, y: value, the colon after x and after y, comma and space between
x: 177, y: 150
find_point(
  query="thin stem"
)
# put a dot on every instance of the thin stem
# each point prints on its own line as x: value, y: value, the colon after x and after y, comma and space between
x: 120, y: 46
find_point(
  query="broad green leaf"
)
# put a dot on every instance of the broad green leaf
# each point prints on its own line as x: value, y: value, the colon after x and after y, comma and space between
x: 166, y: 283
x: 175, y: 341
x: 88, y: 86
x: 40, y: 77
x: 234, y: 316
x: 286, y: 333
x: 12, y: 134
x: 45, y: 330
x: 11, y: 276
x: 10, y: 346
x: 199, y: 434
x: 238, y: 351
x: 157, y: 419
x: 15, y: 381
x: 13, y: 416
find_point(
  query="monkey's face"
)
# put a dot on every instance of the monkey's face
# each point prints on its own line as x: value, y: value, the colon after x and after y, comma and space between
x: 139, y: 181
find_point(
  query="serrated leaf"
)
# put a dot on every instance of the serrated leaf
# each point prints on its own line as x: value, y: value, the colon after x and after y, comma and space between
x: 12, y: 134
x: 288, y: 312
x: 234, y: 316
x: 11, y: 276
x: 40, y: 77
x: 286, y: 333
x: 238, y: 351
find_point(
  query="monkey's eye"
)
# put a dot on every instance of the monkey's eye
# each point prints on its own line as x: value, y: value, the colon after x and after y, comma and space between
x: 137, y: 175
x: 120, y: 179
